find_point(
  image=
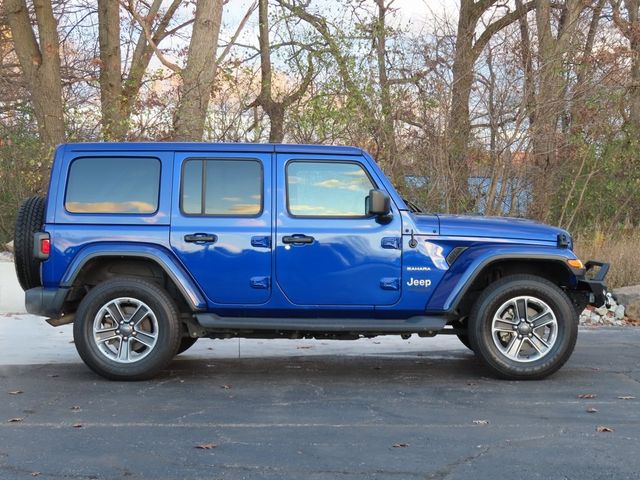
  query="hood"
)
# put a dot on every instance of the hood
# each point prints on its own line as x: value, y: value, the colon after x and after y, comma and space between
x: 499, y: 228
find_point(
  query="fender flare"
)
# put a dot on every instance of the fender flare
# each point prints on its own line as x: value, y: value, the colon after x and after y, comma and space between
x: 159, y: 255
x: 455, y: 284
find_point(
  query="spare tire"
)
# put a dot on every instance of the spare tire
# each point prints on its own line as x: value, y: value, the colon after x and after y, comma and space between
x: 29, y: 221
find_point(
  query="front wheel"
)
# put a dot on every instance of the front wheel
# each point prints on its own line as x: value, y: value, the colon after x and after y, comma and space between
x: 127, y: 329
x: 523, y: 327
x: 185, y: 344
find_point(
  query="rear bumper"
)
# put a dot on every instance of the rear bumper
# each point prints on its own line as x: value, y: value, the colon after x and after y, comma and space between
x: 594, y: 285
x: 46, y: 302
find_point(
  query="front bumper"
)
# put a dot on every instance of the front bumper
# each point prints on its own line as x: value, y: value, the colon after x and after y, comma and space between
x: 46, y: 302
x: 594, y: 285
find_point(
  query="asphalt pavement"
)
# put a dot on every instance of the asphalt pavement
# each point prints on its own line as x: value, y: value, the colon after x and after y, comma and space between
x: 280, y: 409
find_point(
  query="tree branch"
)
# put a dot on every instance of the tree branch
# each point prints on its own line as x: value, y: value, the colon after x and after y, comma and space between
x: 499, y: 24
x: 238, y: 31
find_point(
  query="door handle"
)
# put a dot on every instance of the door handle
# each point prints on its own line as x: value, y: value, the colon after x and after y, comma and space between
x: 201, y: 238
x: 298, y: 239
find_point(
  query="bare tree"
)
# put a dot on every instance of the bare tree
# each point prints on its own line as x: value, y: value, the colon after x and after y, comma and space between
x: 275, y: 109
x: 119, y: 90
x: 199, y: 73
x: 39, y: 59
x: 469, y: 46
x: 629, y: 25
x: 550, y: 100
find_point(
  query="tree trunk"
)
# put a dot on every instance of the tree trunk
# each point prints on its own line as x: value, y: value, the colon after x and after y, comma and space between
x: 389, y: 150
x: 114, y: 121
x: 550, y: 102
x: 459, y: 124
x: 199, y: 74
x: 40, y: 64
x: 634, y: 89
x: 275, y: 109
x: 466, y: 53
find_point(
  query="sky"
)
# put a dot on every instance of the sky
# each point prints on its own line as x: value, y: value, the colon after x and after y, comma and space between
x: 415, y: 13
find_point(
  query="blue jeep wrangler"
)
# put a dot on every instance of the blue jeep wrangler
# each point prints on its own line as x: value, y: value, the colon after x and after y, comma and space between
x: 146, y: 247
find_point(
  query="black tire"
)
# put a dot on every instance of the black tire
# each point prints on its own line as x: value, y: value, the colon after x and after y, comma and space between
x: 28, y: 221
x: 463, y: 337
x: 185, y: 344
x: 490, y: 302
x: 169, y: 330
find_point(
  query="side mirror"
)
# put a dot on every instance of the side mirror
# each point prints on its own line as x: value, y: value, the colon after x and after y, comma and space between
x: 378, y: 203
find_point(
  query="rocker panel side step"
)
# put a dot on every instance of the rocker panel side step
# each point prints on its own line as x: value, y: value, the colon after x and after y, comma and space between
x: 355, y: 325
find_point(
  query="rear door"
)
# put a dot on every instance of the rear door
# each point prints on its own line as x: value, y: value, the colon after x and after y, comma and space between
x: 329, y: 251
x: 221, y: 224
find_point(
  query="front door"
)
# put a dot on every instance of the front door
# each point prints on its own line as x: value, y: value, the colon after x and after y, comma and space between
x: 221, y: 224
x: 328, y: 250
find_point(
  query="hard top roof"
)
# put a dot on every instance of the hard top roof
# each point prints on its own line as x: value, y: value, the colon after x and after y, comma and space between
x: 212, y: 147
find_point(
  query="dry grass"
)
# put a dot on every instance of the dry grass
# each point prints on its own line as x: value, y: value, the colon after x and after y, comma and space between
x: 621, y: 250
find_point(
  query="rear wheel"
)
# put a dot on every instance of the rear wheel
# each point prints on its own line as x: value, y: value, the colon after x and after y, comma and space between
x: 29, y: 220
x: 127, y: 329
x: 523, y: 327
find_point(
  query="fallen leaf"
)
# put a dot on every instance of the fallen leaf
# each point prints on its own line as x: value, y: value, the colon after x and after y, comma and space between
x: 400, y: 445
x: 16, y: 420
x: 206, y: 446
x: 587, y: 395
x: 226, y: 387
x: 481, y: 422
x: 592, y: 410
x: 627, y: 397
x: 16, y: 392
x: 77, y: 425
x: 602, y: 428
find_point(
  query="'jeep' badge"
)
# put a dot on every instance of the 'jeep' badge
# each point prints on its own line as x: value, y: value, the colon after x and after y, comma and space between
x: 419, y: 282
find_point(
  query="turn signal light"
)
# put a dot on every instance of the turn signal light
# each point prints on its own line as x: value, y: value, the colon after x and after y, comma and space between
x: 575, y: 263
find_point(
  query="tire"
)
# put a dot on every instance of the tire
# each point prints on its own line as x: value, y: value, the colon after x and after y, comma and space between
x: 159, y: 329
x: 28, y: 221
x: 185, y: 344
x: 520, y: 346
x: 463, y: 337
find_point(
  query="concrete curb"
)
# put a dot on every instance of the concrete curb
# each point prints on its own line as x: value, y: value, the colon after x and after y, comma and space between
x: 11, y: 294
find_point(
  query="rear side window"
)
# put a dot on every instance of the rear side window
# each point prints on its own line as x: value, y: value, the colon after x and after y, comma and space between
x: 124, y: 185
x: 222, y: 187
x: 327, y: 189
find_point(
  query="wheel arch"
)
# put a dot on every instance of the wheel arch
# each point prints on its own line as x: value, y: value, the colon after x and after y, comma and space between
x: 458, y: 296
x: 99, y: 262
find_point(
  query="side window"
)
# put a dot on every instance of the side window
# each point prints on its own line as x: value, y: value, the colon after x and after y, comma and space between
x: 222, y: 187
x: 113, y: 185
x: 327, y: 189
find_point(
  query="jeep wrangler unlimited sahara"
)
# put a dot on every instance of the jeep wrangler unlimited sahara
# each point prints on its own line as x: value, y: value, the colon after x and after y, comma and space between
x: 146, y: 247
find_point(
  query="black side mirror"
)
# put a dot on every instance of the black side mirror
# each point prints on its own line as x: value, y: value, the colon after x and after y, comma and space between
x: 378, y: 203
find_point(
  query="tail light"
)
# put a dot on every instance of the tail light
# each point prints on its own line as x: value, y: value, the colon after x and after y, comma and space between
x: 41, y: 245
